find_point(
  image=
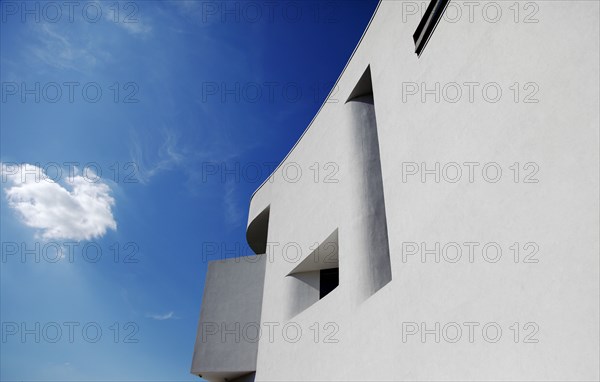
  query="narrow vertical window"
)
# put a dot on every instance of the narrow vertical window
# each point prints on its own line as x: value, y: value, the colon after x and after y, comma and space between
x: 430, y: 19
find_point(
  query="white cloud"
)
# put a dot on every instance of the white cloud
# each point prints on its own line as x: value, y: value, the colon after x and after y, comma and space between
x: 162, y: 317
x: 81, y: 210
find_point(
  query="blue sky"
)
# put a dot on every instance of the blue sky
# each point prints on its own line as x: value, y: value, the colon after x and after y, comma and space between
x: 188, y: 89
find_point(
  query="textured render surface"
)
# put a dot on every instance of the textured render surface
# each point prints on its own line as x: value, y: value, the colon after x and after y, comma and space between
x: 369, y: 237
x: 232, y: 300
x: 560, y: 213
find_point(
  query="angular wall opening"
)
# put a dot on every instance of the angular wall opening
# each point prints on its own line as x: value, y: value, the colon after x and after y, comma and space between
x: 314, y: 277
x: 363, y: 87
x: 258, y: 231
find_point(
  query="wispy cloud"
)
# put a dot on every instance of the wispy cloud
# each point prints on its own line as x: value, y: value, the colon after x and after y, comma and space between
x: 233, y: 211
x: 151, y: 160
x: 58, y: 50
x: 80, y: 210
x: 163, y: 317
x: 74, y: 46
x: 130, y: 19
x: 136, y: 28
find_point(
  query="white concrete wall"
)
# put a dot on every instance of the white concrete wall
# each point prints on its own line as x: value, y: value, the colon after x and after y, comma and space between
x: 560, y: 294
x: 226, y: 341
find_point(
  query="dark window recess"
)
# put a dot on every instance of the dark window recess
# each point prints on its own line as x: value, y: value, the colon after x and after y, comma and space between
x: 430, y: 19
x: 329, y: 280
x: 363, y: 87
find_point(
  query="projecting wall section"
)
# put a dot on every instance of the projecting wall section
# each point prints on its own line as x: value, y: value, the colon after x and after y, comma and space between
x: 226, y: 345
x: 371, y: 265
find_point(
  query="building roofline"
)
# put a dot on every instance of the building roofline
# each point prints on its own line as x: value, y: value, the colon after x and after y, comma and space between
x: 323, y: 104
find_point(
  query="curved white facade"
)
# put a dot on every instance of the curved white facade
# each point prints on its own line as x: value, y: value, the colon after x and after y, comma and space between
x: 457, y: 195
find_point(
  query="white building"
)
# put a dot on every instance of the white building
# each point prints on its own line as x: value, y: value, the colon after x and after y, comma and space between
x: 439, y: 217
